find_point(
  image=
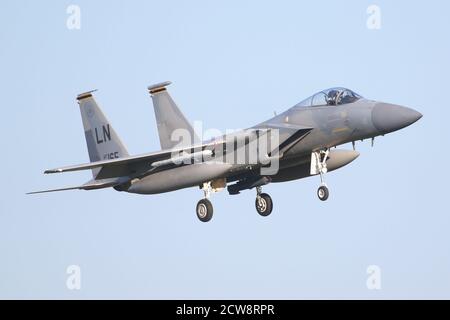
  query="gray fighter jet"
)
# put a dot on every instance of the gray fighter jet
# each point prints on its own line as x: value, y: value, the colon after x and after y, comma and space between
x: 292, y: 145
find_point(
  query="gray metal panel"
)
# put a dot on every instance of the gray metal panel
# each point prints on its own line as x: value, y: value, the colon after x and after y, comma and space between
x: 180, y: 177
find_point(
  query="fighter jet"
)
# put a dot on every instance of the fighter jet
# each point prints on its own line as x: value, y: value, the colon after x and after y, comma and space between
x: 295, y: 144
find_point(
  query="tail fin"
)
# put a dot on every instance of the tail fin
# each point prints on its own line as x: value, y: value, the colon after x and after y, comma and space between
x: 102, y: 141
x: 168, y: 117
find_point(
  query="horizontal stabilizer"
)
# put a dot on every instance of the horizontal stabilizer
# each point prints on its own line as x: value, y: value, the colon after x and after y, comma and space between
x: 90, y: 185
x: 54, y: 190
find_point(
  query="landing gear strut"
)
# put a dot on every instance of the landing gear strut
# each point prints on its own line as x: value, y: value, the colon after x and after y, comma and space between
x: 321, y: 159
x: 204, y: 208
x: 263, y: 203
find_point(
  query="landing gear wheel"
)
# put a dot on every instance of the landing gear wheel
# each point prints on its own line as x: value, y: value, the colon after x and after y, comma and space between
x: 204, y: 210
x: 264, y: 204
x: 323, y: 193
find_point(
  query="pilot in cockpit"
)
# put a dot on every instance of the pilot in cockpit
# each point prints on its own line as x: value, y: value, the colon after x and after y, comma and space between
x: 332, y: 96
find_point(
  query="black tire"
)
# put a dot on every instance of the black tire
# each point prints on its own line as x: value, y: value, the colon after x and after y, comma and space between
x: 323, y: 193
x: 204, y: 210
x: 264, y: 204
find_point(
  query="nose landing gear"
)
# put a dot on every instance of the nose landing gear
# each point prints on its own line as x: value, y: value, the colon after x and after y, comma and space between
x: 323, y: 193
x: 319, y: 165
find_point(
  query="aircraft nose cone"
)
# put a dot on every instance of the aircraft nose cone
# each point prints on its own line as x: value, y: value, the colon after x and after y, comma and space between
x: 389, y: 117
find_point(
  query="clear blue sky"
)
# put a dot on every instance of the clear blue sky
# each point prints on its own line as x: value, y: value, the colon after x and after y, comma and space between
x: 232, y: 64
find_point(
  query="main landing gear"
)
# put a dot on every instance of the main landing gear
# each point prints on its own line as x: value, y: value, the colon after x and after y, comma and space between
x: 204, y: 208
x: 321, y: 167
x: 263, y: 203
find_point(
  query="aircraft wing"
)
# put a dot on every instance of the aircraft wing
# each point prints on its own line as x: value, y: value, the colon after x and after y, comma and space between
x: 134, y: 166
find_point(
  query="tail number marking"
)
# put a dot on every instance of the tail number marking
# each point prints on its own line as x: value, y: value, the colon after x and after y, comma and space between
x: 105, y: 135
x: 110, y: 156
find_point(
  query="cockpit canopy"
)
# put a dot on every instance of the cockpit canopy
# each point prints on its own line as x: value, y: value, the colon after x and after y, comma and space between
x: 330, y: 97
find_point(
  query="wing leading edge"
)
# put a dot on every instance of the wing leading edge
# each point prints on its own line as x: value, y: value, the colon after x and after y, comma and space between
x: 133, y: 165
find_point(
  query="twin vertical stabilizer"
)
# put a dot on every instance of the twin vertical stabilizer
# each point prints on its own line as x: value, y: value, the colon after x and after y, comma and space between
x: 170, y: 121
x: 102, y: 141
